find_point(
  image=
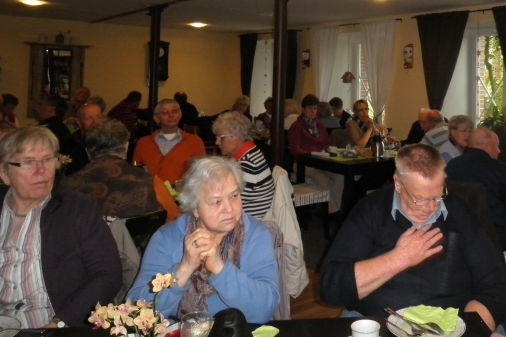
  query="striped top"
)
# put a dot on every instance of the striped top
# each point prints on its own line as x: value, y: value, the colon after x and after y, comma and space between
x: 24, y: 295
x: 437, y: 136
x: 259, y: 190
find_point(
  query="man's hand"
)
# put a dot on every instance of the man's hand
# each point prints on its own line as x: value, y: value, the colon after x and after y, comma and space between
x: 415, y: 246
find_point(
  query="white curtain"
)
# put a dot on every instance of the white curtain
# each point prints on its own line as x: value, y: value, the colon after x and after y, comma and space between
x: 378, y: 41
x: 323, y: 58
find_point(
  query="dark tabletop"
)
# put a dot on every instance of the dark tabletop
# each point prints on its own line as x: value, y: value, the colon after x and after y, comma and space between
x: 328, y: 327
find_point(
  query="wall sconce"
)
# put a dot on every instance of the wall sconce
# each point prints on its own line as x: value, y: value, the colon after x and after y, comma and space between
x: 306, y: 58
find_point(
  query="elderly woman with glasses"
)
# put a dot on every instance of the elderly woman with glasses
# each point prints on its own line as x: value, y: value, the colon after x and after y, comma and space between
x: 233, y: 136
x: 221, y: 257
x: 58, y: 256
x: 460, y: 128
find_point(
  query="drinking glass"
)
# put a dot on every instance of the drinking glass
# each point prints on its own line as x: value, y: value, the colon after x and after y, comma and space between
x: 196, y: 324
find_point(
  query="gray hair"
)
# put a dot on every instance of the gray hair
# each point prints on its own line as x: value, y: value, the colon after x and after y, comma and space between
x: 109, y: 137
x: 458, y: 120
x: 419, y: 158
x: 163, y: 103
x: 97, y: 100
x: 236, y: 123
x: 208, y: 171
x: 26, y: 139
x: 240, y: 99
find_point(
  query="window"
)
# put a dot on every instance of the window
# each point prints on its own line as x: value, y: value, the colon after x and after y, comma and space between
x: 490, y: 75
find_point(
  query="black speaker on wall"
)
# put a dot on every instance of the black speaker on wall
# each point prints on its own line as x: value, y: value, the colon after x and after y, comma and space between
x: 163, y: 61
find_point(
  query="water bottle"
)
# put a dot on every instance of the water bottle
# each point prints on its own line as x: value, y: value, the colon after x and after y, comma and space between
x: 377, y: 147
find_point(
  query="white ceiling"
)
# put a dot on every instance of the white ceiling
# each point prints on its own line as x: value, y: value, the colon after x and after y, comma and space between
x: 236, y: 15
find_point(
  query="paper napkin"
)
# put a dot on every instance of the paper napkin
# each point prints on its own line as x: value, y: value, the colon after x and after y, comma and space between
x: 265, y: 331
x: 446, y: 319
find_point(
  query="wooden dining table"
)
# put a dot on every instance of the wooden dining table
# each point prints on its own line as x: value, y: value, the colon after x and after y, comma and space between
x: 325, y: 327
x: 360, y: 174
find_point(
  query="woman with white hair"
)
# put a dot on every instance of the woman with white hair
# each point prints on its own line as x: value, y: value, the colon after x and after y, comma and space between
x: 221, y: 257
x: 233, y: 136
x: 460, y: 127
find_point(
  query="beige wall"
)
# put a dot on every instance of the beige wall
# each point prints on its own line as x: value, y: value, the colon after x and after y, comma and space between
x: 205, y: 65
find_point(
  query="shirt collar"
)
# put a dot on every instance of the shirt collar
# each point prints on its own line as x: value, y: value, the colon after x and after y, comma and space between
x: 244, y: 149
x: 161, y: 136
x: 396, y: 206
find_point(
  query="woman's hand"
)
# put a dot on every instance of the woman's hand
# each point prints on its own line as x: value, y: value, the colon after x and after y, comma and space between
x: 196, y: 243
x: 212, y: 259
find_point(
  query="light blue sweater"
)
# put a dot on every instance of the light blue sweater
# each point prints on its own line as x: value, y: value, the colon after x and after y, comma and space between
x: 253, y: 288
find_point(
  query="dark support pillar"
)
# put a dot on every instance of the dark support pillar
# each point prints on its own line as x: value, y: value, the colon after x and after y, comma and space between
x: 154, y: 45
x: 279, y: 83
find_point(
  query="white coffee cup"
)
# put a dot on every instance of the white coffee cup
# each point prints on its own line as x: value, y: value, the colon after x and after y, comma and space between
x: 387, y: 153
x: 365, y: 328
x: 332, y: 149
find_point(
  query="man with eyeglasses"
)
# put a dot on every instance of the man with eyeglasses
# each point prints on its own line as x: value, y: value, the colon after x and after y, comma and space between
x: 412, y: 243
x: 168, y: 151
x: 361, y: 127
x: 88, y: 116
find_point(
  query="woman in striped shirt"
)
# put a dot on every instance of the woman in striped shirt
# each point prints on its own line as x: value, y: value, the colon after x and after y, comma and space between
x: 233, y: 136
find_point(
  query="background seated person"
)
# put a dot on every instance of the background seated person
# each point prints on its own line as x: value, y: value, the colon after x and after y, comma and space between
x: 418, y: 128
x: 337, y: 110
x: 88, y: 115
x: 221, y: 256
x: 233, y: 136
x: 55, y: 246
x: 324, y: 114
x: 307, y: 134
x: 460, y: 127
x: 410, y: 243
x: 168, y: 151
x: 10, y: 103
x: 437, y: 132
x: 122, y: 189
x: 265, y: 117
x: 292, y: 112
x: 360, y: 128
x: 49, y: 113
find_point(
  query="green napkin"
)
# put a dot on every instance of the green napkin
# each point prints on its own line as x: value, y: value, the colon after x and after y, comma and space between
x: 265, y: 331
x: 446, y: 319
x: 172, y: 191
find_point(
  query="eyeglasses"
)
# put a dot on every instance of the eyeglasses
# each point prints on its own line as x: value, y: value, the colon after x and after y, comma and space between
x: 95, y: 118
x: 166, y: 113
x: 220, y: 138
x: 463, y: 130
x: 423, y: 202
x: 31, y: 164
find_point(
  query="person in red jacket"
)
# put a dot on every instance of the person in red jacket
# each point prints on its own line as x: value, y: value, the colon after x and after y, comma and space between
x: 168, y: 151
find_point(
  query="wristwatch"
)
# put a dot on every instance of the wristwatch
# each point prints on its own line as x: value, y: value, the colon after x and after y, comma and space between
x: 59, y: 323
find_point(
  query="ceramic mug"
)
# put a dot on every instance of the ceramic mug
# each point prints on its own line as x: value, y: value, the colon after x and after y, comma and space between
x: 387, y: 153
x: 365, y: 328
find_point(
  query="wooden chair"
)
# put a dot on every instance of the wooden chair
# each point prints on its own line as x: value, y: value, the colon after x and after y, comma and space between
x: 339, y: 137
x: 142, y: 226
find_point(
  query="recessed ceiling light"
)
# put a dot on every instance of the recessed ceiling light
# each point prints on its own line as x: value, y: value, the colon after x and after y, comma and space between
x: 33, y: 2
x: 198, y: 24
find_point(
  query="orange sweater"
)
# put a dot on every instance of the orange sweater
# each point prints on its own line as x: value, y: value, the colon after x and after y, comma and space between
x: 174, y: 164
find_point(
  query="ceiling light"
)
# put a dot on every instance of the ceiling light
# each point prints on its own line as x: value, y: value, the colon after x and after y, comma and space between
x: 33, y: 2
x: 198, y: 24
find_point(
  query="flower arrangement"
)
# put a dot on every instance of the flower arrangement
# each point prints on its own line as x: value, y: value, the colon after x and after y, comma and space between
x: 142, y: 316
x: 64, y: 160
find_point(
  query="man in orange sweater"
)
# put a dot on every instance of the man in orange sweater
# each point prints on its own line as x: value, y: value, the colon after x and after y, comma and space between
x: 168, y: 151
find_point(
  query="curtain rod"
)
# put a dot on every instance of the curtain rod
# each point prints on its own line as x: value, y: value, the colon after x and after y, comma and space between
x: 475, y: 11
x: 267, y: 33
x: 358, y: 23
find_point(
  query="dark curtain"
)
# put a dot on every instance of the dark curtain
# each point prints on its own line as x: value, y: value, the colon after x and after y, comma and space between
x: 500, y: 24
x: 291, y: 63
x: 440, y: 37
x: 248, y: 47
